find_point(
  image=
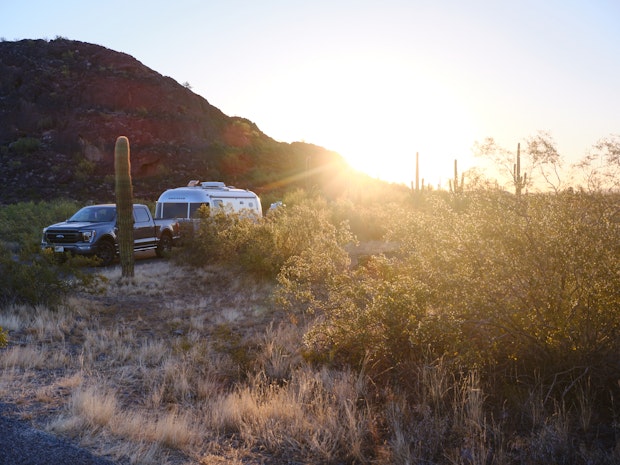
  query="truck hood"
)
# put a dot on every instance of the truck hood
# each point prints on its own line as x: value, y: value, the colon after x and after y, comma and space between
x: 77, y: 225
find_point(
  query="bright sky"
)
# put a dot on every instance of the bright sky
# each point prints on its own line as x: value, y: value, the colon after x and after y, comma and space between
x: 376, y: 81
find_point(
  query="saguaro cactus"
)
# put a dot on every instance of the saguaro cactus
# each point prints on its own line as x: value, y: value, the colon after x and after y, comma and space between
x: 417, y: 171
x: 124, y: 205
x: 455, y: 187
x: 519, y: 181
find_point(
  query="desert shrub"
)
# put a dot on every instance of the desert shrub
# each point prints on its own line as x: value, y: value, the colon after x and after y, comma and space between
x: 526, y: 291
x: 31, y: 276
x: 39, y: 279
x: 306, y: 279
x: 21, y: 223
x: 262, y: 246
x: 25, y: 145
x: 4, y: 338
x: 382, y: 319
x: 534, y: 281
x: 217, y: 238
x: 35, y: 282
x: 367, y: 221
x: 305, y: 225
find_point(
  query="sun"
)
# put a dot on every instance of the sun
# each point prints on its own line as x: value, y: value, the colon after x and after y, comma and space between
x: 383, y: 136
x: 377, y: 111
x: 387, y: 149
x: 381, y: 112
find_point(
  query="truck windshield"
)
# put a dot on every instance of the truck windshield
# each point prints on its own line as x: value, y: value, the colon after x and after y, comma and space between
x: 94, y: 215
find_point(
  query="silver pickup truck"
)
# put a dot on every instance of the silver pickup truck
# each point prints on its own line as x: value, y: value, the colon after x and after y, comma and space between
x: 92, y: 231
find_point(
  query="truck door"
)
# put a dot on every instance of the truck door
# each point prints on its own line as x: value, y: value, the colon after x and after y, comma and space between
x: 143, y: 228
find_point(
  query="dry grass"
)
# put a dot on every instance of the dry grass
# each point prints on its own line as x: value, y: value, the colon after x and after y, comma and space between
x: 141, y: 369
x: 182, y: 366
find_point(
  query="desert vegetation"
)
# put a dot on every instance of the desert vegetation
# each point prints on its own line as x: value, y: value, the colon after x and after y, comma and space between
x: 387, y: 327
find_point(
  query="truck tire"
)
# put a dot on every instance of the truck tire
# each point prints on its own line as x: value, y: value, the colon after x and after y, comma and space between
x: 164, y: 247
x: 106, y: 252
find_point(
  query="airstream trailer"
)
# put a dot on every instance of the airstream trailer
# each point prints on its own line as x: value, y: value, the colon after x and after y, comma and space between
x: 184, y: 202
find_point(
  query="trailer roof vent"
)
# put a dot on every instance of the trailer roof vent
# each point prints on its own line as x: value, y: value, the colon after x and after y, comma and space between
x: 213, y: 185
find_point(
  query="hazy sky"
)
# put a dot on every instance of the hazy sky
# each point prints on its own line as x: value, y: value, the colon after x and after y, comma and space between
x: 376, y: 81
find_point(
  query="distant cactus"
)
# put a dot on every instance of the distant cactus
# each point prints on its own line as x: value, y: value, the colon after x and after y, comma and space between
x: 519, y: 181
x: 124, y: 205
x: 455, y: 186
x: 415, y: 185
x: 417, y: 171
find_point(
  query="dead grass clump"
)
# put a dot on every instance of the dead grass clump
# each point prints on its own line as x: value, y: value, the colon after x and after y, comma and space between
x: 279, y: 352
x: 151, y: 353
x: 114, y: 345
x: 10, y: 319
x: 312, y: 417
x: 39, y: 323
x: 92, y: 411
x: 24, y: 358
x: 94, y: 408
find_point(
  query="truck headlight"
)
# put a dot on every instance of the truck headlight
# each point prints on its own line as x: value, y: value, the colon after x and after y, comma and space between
x: 89, y: 236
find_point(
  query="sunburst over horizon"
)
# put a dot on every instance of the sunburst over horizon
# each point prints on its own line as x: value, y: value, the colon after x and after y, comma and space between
x: 375, y: 82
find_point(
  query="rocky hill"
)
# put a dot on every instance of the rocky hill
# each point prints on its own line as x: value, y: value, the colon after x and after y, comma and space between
x: 63, y: 103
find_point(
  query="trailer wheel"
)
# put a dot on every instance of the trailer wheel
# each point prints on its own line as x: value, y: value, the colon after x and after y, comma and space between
x: 106, y: 251
x: 165, y: 245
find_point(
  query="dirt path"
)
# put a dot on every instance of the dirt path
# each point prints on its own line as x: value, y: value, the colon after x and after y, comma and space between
x: 22, y: 444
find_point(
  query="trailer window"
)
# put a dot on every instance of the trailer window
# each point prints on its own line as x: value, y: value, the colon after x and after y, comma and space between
x: 173, y: 210
x: 194, y: 207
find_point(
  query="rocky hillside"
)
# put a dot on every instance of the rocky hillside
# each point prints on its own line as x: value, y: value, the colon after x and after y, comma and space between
x: 63, y: 103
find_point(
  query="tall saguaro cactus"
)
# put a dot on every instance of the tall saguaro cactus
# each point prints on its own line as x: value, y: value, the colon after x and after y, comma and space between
x: 417, y: 171
x: 124, y: 205
x: 455, y: 187
x: 519, y: 181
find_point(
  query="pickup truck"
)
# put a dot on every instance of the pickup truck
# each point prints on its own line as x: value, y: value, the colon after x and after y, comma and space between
x: 92, y: 231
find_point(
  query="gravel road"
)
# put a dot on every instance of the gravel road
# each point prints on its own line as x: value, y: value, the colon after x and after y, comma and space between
x: 20, y: 444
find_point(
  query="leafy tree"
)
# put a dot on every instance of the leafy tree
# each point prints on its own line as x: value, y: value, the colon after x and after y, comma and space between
x: 501, y: 159
x: 541, y: 158
x: 544, y: 155
x: 602, y: 164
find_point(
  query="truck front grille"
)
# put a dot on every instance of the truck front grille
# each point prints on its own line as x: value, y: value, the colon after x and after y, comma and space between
x: 60, y: 236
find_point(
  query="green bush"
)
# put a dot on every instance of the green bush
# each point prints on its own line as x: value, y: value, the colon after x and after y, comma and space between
x: 33, y: 282
x: 368, y: 222
x: 4, y: 338
x: 21, y: 223
x: 25, y: 145
x: 262, y: 246
x: 40, y: 279
x: 31, y: 276
x: 217, y: 238
x: 525, y: 291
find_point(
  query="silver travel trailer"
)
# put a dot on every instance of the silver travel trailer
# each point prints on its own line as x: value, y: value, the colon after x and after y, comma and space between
x: 184, y: 202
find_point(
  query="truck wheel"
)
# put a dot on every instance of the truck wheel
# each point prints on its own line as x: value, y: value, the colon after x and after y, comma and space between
x: 165, y: 246
x: 106, y: 252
